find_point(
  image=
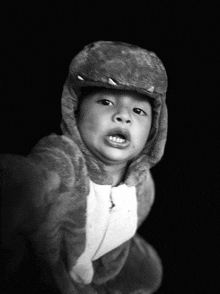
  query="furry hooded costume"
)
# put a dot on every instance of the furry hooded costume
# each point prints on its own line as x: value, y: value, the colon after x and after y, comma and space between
x: 67, y: 193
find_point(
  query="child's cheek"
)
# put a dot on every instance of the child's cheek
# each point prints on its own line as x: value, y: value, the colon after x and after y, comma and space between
x: 94, y: 121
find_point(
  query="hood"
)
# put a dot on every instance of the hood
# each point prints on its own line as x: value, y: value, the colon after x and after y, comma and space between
x: 120, y: 66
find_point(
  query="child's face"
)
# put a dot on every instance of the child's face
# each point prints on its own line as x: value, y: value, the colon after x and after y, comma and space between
x: 114, y: 125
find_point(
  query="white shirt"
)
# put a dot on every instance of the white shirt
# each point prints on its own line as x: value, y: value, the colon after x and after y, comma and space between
x: 107, y: 227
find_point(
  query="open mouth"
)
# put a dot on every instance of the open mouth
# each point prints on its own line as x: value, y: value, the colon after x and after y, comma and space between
x: 119, y: 138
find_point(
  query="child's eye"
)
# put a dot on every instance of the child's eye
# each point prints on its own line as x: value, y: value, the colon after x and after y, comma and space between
x: 105, y: 102
x: 139, y: 111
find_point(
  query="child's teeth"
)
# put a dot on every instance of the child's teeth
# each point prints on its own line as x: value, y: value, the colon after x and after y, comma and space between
x: 116, y: 139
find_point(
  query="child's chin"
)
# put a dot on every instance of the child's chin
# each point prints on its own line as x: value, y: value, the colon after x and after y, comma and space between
x: 117, y: 157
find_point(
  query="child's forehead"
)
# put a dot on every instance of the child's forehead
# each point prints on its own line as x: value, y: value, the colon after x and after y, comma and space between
x: 116, y: 93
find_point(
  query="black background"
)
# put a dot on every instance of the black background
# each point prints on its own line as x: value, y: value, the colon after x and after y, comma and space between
x: 40, y: 38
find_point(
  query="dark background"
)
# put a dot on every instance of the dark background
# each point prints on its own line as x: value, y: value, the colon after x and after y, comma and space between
x: 40, y: 38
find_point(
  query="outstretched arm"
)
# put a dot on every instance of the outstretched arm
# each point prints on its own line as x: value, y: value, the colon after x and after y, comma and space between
x: 23, y: 185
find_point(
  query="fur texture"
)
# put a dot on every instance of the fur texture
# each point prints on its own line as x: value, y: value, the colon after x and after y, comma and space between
x: 54, y: 178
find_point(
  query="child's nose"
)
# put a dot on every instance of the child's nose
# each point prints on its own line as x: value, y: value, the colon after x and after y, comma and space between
x: 122, y: 116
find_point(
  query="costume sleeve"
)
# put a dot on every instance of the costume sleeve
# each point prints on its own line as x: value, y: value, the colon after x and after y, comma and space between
x: 25, y: 186
x: 141, y: 272
x: 110, y: 264
x: 43, y: 196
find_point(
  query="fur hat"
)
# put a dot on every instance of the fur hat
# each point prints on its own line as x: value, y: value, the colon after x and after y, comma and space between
x: 118, y: 65
x: 121, y: 66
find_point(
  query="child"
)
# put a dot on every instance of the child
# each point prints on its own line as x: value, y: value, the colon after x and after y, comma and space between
x: 87, y: 191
